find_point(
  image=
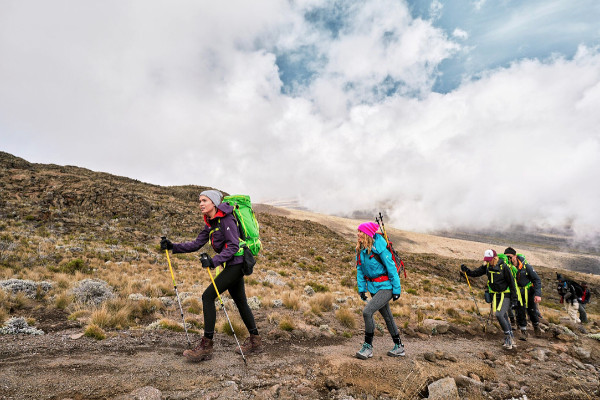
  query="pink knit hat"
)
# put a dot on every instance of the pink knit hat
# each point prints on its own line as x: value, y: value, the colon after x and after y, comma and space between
x: 369, y: 228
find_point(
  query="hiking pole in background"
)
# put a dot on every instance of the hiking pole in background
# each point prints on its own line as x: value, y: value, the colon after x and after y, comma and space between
x: 177, y: 294
x: 391, y: 249
x: 206, y: 262
x: 472, y: 296
x: 476, y: 305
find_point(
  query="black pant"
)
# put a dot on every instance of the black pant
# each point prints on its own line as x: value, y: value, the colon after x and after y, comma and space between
x: 232, y: 280
x: 527, y: 307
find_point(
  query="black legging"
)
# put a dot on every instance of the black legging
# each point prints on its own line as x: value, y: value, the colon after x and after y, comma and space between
x: 232, y: 280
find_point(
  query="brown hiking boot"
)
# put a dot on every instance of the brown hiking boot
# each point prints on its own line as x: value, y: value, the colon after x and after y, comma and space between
x: 252, y: 344
x: 204, y: 351
x: 523, y: 335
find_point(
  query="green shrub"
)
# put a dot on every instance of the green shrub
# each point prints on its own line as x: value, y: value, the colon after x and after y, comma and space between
x: 95, y: 332
x: 73, y: 266
x: 317, y: 287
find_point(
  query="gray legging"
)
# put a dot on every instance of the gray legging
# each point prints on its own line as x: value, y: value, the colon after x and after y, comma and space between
x: 380, y: 301
x: 501, y: 312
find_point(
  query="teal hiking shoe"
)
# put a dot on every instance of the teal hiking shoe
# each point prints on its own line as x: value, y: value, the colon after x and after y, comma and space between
x: 397, y: 351
x: 365, y: 352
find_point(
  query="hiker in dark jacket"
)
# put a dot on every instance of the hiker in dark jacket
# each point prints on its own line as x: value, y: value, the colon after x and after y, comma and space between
x: 583, y: 299
x: 220, y: 228
x: 376, y: 273
x: 529, y: 285
x: 574, y: 296
x: 501, y: 285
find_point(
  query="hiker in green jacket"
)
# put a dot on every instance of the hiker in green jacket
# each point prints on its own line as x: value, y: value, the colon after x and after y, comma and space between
x: 501, y: 285
x: 529, y: 285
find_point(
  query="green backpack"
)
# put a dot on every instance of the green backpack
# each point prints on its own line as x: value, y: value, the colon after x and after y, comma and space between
x: 246, y: 220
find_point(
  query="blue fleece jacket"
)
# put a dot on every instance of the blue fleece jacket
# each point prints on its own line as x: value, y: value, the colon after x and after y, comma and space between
x: 368, y: 266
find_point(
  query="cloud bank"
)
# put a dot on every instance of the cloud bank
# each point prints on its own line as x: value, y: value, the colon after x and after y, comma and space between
x: 330, y: 103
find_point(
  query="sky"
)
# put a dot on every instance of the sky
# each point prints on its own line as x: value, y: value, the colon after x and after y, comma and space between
x: 450, y: 114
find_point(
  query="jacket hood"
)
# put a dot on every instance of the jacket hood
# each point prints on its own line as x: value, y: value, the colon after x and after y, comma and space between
x: 379, y: 244
x: 225, y: 207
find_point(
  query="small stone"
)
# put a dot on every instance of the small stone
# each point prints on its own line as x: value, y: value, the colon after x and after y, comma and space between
x: 430, y: 357
x: 76, y: 336
x: 146, y: 393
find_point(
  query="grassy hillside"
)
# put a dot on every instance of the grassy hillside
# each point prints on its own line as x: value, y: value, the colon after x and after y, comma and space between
x: 65, y: 224
x: 84, y: 246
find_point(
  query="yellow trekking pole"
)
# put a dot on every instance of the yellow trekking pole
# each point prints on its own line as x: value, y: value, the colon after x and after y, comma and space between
x: 206, y: 262
x: 472, y: 295
x: 177, y: 295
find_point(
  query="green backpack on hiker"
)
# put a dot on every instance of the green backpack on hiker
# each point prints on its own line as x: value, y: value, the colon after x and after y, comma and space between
x: 249, y: 230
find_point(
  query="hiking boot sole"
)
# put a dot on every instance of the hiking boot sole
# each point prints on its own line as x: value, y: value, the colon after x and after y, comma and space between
x: 362, y: 357
x: 392, y: 354
x: 193, y: 358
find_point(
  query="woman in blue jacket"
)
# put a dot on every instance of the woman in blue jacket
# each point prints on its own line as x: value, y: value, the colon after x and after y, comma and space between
x: 376, y: 273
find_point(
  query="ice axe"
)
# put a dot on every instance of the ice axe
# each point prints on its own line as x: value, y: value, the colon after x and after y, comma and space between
x: 207, y: 263
x: 177, y: 294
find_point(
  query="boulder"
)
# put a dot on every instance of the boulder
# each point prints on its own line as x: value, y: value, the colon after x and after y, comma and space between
x: 444, y: 389
x: 435, y: 326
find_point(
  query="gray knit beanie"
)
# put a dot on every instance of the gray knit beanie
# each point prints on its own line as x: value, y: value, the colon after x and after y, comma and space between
x: 214, y: 195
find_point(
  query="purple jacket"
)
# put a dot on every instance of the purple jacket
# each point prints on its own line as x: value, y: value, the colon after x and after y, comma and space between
x: 224, y: 240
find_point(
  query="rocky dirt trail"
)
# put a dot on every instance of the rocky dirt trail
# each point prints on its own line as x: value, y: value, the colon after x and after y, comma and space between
x: 142, y: 364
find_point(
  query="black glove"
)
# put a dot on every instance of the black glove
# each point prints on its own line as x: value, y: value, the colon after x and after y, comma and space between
x: 363, y: 296
x: 464, y: 268
x: 165, y: 244
x: 206, y: 261
x: 395, y: 297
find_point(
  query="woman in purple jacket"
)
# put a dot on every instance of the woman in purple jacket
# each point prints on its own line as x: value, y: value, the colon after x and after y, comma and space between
x: 222, y: 231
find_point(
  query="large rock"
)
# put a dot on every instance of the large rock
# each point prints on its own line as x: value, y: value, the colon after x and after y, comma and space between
x: 444, y: 389
x: 465, y: 381
x: 146, y: 393
x: 254, y: 303
x: 582, y: 353
x: 435, y: 326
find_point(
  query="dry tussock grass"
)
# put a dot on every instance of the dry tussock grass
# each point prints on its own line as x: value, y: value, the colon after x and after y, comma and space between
x: 287, y: 323
x: 346, y: 318
x: 291, y: 301
x: 238, y: 326
x: 320, y: 303
x: 192, y: 305
x: 3, y: 315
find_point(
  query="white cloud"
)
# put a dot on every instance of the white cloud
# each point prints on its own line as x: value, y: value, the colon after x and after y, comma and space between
x: 460, y: 34
x: 191, y: 95
x: 435, y: 9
